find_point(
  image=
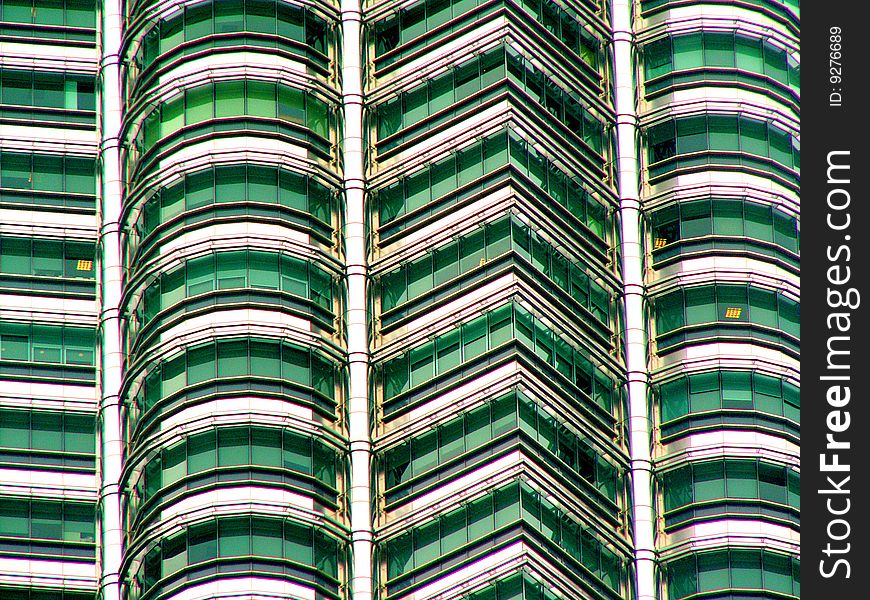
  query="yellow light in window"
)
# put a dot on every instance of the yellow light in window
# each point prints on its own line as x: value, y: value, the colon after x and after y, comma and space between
x: 660, y: 243
x: 85, y: 265
x: 733, y: 312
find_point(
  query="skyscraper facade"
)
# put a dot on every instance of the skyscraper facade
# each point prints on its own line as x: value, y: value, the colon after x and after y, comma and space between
x: 484, y: 299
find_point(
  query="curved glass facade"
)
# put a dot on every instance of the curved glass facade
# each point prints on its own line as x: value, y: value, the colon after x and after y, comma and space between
x: 400, y: 299
x: 496, y: 339
x: 231, y: 205
x: 722, y: 217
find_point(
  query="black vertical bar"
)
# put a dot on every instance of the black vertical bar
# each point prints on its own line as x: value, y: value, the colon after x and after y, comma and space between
x: 835, y: 262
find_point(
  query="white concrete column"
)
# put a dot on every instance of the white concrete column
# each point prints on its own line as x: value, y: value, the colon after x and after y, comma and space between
x: 356, y: 313
x: 635, y: 333
x: 111, y: 277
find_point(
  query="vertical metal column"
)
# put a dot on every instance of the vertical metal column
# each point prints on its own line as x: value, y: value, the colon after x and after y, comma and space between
x: 111, y: 277
x: 356, y: 313
x: 634, y: 293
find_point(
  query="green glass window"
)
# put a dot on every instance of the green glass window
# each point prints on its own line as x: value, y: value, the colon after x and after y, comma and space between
x: 719, y: 480
x: 463, y: 82
x: 49, y: 258
x: 473, y: 429
x: 515, y: 503
x: 47, y: 343
x: 228, y: 100
x: 476, y: 337
x: 26, y: 593
x: 259, y: 537
x: 727, y: 304
x: 48, y: 520
x: 42, y: 432
x: 65, y: 19
x: 55, y: 180
x: 198, y: 364
x: 729, y: 217
x: 232, y: 270
x: 412, y: 194
x: 293, y: 24
x: 754, y: 58
x: 414, y: 22
x: 745, y: 569
x: 755, y: 140
x: 479, y: 247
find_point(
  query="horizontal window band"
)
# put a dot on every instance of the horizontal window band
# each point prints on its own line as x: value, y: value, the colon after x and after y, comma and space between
x: 727, y: 332
x: 733, y: 509
x: 588, y: 316
x: 142, y: 336
x: 228, y: 389
x: 37, y: 286
x: 719, y: 78
x: 714, y: 161
x: 237, y: 567
x: 34, y: 550
x: 594, y: 158
x: 138, y: 522
x: 227, y: 128
x: 141, y: 84
x: 506, y: 328
x: 717, y: 246
x: 786, y: 12
x: 495, y: 519
x: 397, y: 43
x: 738, y: 571
x: 232, y: 544
x: 252, y: 212
x: 516, y: 440
x: 495, y: 161
x: 729, y: 419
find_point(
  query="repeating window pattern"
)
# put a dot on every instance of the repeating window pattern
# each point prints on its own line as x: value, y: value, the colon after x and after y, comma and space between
x: 17, y: 593
x: 729, y: 390
x: 723, y: 217
x: 47, y: 258
x: 256, y: 541
x: 726, y: 305
x: 508, y: 323
x: 719, y: 51
x: 721, y: 139
x: 521, y: 586
x: 46, y: 179
x: 724, y: 570
x: 53, y: 96
x: 194, y: 25
x: 792, y: 5
x: 411, y: 23
x: 231, y: 271
x: 229, y: 106
x: 56, y: 344
x: 411, y: 194
x: 498, y: 417
x: 285, y: 368
x: 495, y: 239
x: 516, y: 503
x: 442, y: 94
x: 236, y: 447
x: 231, y: 185
x: 53, y: 19
x: 47, y: 438
x: 714, y: 482
x: 49, y: 527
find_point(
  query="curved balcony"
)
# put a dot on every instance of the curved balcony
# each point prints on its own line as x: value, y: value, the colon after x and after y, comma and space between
x: 154, y: 44
x: 733, y: 573
x: 233, y: 384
